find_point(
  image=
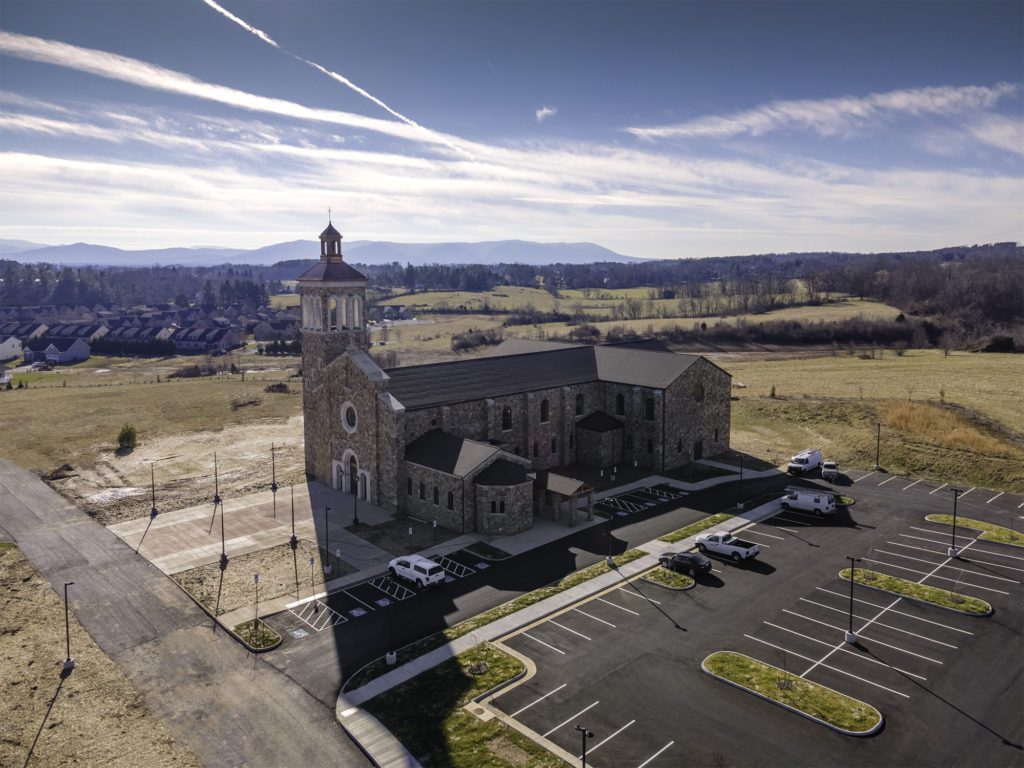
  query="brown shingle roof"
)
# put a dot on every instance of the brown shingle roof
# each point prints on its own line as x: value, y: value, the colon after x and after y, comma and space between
x: 447, y: 453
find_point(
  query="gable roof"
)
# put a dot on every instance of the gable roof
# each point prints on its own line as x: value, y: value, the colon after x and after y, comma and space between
x: 599, y: 421
x: 502, y: 472
x: 446, y: 453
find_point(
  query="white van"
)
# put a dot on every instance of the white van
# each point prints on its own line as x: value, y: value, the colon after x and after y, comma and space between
x: 810, y: 501
x: 804, y: 462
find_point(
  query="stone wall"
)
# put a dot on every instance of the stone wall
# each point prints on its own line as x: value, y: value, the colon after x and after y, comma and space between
x: 690, y: 420
x: 518, y: 515
x: 425, y: 508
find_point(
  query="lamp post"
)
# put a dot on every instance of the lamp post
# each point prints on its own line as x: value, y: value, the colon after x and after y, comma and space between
x: 584, y: 735
x: 152, y: 488
x: 312, y: 587
x: 954, y: 550
x: 273, y: 478
x: 256, y: 610
x: 355, y: 509
x: 851, y: 636
x: 435, y: 530
x: 293, y: 542
x: 218, y: 502
x: 327, y: 538
x: 878, y: 447
x: 410, y: 540
x: 69, y: 663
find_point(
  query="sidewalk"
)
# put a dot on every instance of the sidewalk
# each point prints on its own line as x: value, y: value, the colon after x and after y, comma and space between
x: 386, y: 751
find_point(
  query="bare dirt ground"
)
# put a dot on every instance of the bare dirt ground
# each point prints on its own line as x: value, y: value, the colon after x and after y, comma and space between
x: 92, y: 718
x: 393, y: 536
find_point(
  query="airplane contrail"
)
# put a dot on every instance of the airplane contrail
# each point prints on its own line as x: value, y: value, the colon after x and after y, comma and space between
x: 333, y: 75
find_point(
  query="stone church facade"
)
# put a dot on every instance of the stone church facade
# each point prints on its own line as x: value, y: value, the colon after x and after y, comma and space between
x: 483, y: 444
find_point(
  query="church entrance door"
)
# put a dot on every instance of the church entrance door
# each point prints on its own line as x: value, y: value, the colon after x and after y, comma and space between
x: 353, y: 475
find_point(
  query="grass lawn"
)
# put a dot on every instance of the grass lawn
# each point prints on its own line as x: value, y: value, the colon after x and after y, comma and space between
x: 912, y: 589
x: 694, y: 528
x: 991, y: 532
x: 669, y: 578
x: 815, y: 700
x: 430, y: 642
x: 426, y: 714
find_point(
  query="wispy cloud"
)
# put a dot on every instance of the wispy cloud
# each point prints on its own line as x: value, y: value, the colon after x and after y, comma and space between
x: 545, y: 112
x: 834, y: 116
x: 1005, y: 133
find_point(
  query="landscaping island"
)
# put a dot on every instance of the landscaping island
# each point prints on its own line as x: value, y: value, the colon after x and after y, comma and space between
x: 920, y: 592
x: 1000, y: 534
x: 670, y: 579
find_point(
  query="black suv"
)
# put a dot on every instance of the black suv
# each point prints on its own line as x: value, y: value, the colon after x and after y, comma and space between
x: 692, y: 563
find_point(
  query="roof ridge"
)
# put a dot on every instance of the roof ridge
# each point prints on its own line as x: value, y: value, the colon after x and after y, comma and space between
x: 489, y: 358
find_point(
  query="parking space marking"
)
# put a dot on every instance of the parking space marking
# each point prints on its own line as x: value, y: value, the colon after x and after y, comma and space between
x: 961, y: 582
x: 787, y: 520
x: 566, y: 722
x: 594, y: 618
x: 966, y: 492
x: 887, y: 626
x: 649, y: 759
x: 536, y: 640
x: 616, y: 605
x: 873, y: 639
x: 869, y: 474
x: 932, y: 562
x: 606, y: 739
x: 911, y: 485
x: 537, y: 701
x: 320, y: 617
x: 562, y: 626
x: 826, y: 666
x: 872, y: 659
x: 1021, y: 505
x: 642, y: 596
x: 922, y: 538
x: 887, y: 481
x: 995, y: 497
x: 769, y: 535
x: 893, y: 610
x: 938, y: 489
x: 368, y: 607
x: 972, y: 560
x: 801, y: 514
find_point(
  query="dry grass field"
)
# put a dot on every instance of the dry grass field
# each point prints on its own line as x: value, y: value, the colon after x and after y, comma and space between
x: 94, y: 717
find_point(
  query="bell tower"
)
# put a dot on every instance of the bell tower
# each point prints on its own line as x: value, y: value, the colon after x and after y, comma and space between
x: 333, y: 297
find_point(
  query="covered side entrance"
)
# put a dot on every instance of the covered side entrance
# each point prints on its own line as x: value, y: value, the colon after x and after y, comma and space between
x: 555, y: 492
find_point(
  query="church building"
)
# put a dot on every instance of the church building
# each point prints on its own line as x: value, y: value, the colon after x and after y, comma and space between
x: 487, y: 443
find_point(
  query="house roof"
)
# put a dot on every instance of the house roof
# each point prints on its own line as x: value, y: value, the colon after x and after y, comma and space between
x: 599, y: 421
x: 446, y: 453
x: 502, y: 472
x: 421, y: 386
x: 333, y: 271
x: 560, y: 484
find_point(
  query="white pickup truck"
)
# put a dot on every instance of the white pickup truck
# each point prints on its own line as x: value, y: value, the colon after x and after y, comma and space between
x: 727, y: 545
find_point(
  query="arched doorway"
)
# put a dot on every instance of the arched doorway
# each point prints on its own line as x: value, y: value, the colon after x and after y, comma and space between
x: 353, y: 475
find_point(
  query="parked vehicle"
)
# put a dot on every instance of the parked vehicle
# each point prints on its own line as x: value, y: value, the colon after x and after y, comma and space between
x: 727, y: 545
x: 805, y: 462
x: 417, y: 569
x: 810, y: 501
x: 690, y: 563
x: 830, y: 471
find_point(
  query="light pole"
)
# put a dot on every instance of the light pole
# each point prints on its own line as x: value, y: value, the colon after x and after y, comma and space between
x: 312, y: 585
x: 327, y: 538
x: 256, y: 611
x: 851, y: 636
x: 69, y: 663
x: 152, y: 488
x: 218, y: 502
x: 953, y: 550
x: 273, y: 478
x: 435, y: 530
x: 878, y: 447
x: 410, y: 540
x: 584, y: 735
x: 293, y: 542
x: 355, y: 509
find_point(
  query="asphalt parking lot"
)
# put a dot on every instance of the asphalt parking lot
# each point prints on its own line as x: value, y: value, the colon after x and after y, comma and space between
x: 626, y: 665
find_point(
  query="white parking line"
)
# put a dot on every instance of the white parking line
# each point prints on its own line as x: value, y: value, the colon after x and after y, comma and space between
x: 1021, y: 505
x: 873, y: 639
x: 625, y: 591
x: 801, y: 514
x: 938, y: 489
x: 787, y: 520
x: 566, y: 722
x: 606, y: 739
x: 995, y: 497
x: 616, y: 605
x: 826, y: 666
x: 893, y: 610
x: 911, y: 485
x: 872, y: 659
x: 887, y: 626
x: 594, y: 618
x: 869, y: 474
x: 972, y: 560
x: 888, y: 481
x: 932, y: 574
x: 769, y: 535
x: 932, y: 562
x: 537, y: 701
x: 966, y: 492
x: 649, y: 759
x: 548, y: 645
x: 922, y: 538
x: 567, y: 629
x: 369, y: 607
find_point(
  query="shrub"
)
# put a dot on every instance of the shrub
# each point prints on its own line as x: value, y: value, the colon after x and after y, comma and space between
x: 127, y: 438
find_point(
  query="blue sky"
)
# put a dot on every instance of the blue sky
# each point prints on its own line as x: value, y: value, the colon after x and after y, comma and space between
x: 656, y: 129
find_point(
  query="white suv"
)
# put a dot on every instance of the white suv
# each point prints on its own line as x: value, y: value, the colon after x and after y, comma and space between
x: 417, y: 569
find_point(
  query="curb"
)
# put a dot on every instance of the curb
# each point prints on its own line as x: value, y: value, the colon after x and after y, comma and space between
x: 922, y: 601
x: 691, y: 585
x: 870, y: 732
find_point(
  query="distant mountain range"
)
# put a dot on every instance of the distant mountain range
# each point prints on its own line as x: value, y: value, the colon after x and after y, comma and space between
x: 357, y: 252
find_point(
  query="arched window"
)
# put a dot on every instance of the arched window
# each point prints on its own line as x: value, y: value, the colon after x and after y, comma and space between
x: 554, y: 445
x: 544, y: 414
x: 332, y: 314
x: 408, y: 485
x: 506, y: 417
x: 620, y: 405
x: 436, y: 495
x: 451, y: 500
x: 536, y: 450
x: 494, y: 507
x: 650, y: 446
x: 501, y: 507
x: 423, y: 491
x: 649, y: 409
x: 579, y: 405
x: 572, y: 441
